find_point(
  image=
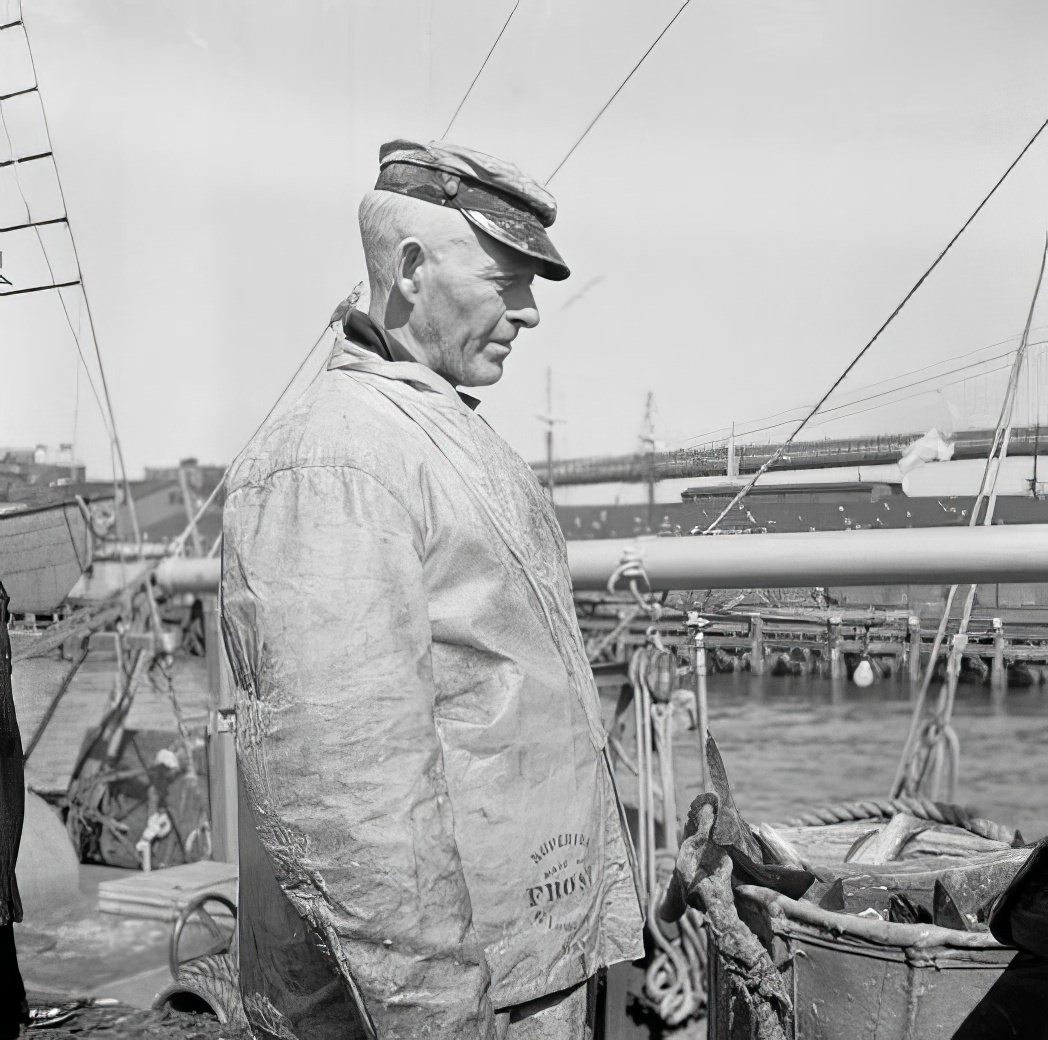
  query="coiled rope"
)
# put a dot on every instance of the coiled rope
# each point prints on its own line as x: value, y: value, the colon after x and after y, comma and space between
x: 885, y: 808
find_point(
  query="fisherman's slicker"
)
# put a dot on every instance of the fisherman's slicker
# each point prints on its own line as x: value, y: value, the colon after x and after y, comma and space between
x: 428, y: 820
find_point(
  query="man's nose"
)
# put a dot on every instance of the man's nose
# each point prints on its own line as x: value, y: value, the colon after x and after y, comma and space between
x: 522, y: 310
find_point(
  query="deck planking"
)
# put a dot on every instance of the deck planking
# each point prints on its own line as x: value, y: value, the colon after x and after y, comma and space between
x: 35, y: 681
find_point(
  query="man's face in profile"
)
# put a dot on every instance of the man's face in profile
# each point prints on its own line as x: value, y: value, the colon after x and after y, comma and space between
x: 474, y: 297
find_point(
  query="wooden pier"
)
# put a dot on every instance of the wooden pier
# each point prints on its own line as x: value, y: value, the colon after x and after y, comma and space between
x: 1009, y: 647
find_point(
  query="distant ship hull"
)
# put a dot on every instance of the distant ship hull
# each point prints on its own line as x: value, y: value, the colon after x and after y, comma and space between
x: 825, y: 510
x: 43, y: 551
x: 785, y: 512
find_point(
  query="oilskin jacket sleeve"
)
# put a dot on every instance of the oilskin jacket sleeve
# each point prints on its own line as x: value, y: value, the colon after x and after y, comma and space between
x: 325, y: 612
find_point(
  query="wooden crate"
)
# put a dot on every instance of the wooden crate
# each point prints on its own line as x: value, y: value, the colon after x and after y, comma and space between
x: 162, y: 894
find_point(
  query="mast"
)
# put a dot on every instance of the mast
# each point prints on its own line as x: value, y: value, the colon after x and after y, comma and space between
x: 647, y: 440
x: 549, y: 420
x: 549, y: 431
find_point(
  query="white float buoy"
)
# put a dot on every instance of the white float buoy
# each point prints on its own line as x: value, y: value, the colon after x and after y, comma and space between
x: 863, y: 674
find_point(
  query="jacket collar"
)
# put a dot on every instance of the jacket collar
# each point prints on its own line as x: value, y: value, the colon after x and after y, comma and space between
x: 367, y: 333
x: 369, y: 347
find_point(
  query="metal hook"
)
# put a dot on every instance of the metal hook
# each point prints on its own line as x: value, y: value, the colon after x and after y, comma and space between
x: 655, y: 638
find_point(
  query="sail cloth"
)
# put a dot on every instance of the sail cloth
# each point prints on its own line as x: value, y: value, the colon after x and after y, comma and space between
x: 419, y: 735
x: 932, y: 447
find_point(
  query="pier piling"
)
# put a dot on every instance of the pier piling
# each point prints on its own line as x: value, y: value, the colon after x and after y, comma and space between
x: 1011, y: 649
x: 757, y: 644
x: 998, y: 674
x: 833, y: 648
x: 913, y: 648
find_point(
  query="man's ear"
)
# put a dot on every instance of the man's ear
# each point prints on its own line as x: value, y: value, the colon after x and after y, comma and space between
x: 411, y: 257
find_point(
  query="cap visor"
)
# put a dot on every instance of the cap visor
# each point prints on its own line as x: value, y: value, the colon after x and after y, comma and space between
x: 523, y: 235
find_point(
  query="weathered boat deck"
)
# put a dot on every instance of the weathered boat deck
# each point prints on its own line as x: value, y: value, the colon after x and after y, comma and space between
x: 35, y: 681
x: 767, y: 741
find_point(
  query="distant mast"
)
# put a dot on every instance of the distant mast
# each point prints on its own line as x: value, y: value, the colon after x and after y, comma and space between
x: 648, y: 445
x: 549, y: 431
x: 549, y: 420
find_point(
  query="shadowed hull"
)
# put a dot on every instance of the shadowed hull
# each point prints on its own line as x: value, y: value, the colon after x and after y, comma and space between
x: 43, y: 551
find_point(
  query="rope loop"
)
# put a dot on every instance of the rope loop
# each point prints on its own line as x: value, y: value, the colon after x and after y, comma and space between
x: 922, y: 808
x: 631, y: 569
x: 654, y: 637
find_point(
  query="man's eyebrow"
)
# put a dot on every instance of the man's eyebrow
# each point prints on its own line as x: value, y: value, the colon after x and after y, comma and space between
x: 498, y: 273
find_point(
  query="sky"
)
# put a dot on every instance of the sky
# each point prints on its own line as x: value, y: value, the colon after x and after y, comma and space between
x: 751, y: 207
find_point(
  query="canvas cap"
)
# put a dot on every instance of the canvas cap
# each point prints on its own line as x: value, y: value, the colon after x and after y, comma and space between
x: 493, y: 195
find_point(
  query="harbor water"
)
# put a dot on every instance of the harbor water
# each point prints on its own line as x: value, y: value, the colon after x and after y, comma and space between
x: 791, y: 743
x: 788, y: 742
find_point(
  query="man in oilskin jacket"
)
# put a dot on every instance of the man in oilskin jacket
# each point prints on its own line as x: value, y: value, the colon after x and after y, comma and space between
x: 14, y: 1009
x: 430, y: 840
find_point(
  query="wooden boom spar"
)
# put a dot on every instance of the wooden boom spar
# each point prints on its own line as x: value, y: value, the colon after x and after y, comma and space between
x: 931, y: 555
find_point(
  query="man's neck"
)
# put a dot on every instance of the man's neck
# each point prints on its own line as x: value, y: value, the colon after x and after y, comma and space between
x: 421, y: 352
x: 364, y: 330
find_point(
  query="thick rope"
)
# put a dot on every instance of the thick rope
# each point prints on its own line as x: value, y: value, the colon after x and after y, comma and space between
x: 674, y: 980
x: 49, y: 713
x: 885, y: 808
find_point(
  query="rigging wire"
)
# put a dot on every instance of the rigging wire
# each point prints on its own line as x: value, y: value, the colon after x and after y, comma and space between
x: 83, y: 362
x: 178, y: 543
x: 618, y: 89
x: 958, y: 357
x: 922, y: 382
x: 932, y: 750
x: 908, y: 397
x: 877, y: 407
x: 706, y: 435
x: 850, y: 409
x: 76, y: 412
x: 483, y: 65
x: 50, y: 270
x: 781, y: 450
x: 743, y: 429
x: 132, y: 511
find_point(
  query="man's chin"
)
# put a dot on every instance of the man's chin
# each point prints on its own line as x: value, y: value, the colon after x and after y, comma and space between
x: 484, y: 374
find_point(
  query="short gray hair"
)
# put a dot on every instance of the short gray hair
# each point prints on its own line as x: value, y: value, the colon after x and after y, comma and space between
x: 386, y: 218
